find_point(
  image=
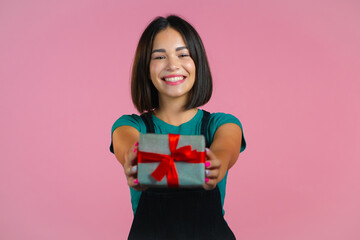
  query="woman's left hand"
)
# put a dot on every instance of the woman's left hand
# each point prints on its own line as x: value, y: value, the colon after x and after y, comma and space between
x: 212, y: 170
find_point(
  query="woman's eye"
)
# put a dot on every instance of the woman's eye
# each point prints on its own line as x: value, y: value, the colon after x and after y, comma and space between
x: 184, y: 55
x: 159, y: 57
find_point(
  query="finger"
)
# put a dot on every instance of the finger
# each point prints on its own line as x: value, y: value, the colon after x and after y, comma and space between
x: 214, y: 173
x: 213, y: 163
x: 130, y: 158
x: 131, y: 171
x: 209, y: 154
x: 133, y: 182
x: 209, y: 184
x: 133, y: 154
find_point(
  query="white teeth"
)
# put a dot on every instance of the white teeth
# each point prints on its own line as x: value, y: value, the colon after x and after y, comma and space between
x: 173, y: 79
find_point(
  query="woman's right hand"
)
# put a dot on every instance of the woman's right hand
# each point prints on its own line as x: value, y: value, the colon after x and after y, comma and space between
x: 130, y: 168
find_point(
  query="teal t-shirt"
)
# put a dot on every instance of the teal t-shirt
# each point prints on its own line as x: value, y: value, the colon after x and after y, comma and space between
x: 192, y: 127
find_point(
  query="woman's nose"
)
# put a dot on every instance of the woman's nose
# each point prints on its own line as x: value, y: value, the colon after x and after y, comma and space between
x: 173, y: 63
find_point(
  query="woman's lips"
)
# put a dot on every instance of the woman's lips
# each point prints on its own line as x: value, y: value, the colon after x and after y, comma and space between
x: 174, y: 79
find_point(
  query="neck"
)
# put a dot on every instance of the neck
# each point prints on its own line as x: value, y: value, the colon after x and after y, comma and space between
x: 172, y: 112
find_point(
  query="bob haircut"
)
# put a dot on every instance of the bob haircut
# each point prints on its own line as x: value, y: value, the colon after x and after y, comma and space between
x: 143, y: 92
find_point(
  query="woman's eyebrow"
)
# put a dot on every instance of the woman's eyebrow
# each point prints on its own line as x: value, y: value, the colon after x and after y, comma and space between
x: 180, y: 48
x: 158, y: 50
x: 163, y: 50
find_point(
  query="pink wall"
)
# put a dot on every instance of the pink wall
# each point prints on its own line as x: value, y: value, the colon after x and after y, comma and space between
x: 289, y: 71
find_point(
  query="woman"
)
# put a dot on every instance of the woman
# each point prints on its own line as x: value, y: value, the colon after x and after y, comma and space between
x: 170, y: 80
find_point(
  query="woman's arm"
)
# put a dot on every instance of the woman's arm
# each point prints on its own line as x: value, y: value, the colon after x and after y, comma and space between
x: 223, y: 153
x: 125, y: 143
x: 124, y: 138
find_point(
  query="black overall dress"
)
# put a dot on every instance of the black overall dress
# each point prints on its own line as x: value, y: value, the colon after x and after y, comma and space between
x: 179, y: 214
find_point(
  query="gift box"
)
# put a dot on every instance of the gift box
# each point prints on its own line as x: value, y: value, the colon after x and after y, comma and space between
x: 171, y: 160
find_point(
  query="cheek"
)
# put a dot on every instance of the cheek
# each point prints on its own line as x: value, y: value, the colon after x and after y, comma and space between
x: 154, y: 69
x: 190, y: 67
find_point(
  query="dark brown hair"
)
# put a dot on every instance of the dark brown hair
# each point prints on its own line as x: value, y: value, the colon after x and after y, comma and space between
x: 144, y: 94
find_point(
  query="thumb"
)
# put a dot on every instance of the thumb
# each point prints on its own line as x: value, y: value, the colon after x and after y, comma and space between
x: 131, y: 158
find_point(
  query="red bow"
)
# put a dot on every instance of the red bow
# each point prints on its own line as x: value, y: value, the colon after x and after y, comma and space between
x: 167, y: 165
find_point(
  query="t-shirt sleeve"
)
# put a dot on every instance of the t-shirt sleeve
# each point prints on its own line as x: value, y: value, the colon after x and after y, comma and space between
x: 216, y: 120
x: 128, y: 120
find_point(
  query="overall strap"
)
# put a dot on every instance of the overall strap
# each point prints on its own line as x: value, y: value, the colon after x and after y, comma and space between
x: 204, y: 127
x: 147, y: 118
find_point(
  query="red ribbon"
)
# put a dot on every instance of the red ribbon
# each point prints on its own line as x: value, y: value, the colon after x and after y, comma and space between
x: 167, y: 162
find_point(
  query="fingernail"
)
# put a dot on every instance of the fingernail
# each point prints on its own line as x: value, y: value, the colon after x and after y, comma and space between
x: 134, y: 168
x: 137, y: 144
x: 207, y: 164
x: 207, y: 172
x: 206, y: 179
x: 135, y: 149
x: 206, y: 149
x: 137, y: 181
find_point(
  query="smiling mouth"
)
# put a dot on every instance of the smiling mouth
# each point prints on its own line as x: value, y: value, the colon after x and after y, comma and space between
x: 173, y: 79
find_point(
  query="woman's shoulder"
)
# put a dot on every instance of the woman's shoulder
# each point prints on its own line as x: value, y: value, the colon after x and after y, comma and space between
x: 132, y: 120
x: 217, y: 119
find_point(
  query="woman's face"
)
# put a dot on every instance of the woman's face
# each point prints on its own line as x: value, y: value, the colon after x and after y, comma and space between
x: 172, y: 70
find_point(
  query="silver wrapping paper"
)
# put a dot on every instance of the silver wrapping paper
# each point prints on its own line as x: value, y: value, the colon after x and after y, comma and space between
x: 191, y: 175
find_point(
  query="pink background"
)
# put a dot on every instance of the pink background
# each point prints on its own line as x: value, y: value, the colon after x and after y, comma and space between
x: 289, y: 70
